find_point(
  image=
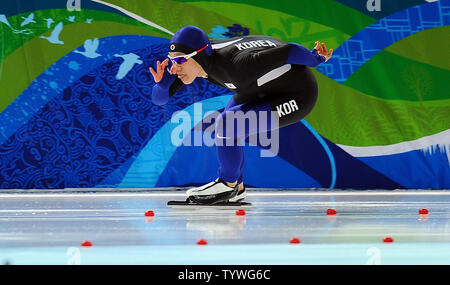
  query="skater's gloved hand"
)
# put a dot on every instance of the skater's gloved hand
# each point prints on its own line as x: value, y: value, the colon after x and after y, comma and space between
x: 160, y: 91
x: 160, y: 68
x: 321, y: 49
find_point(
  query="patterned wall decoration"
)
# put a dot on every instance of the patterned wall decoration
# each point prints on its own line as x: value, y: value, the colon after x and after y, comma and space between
x: 76, y: 108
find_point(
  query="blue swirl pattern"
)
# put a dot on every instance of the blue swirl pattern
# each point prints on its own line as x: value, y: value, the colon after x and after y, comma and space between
x: 93, y: 127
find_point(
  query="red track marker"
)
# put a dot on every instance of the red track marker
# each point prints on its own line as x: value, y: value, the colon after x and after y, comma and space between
x: 86, y: 243
x: 423, y: 211
x: 202, y: 242
x: 331, y: 212
x: 149, y: 214
x: 388, y: 239
x: 240, y: 212
x: 294, y: 240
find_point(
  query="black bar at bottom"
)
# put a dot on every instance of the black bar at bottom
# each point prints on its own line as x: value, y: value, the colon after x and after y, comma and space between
x: 201, y: 274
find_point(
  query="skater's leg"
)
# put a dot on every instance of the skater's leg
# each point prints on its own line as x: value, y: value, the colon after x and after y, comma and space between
x: 240, y: 180
x: 221, y: 189
x: 230, y: 158
x: 233, y: 125
x: 268, y: 114
x: 232, y: 155
x: 241, y: 194
x: 230, y: 136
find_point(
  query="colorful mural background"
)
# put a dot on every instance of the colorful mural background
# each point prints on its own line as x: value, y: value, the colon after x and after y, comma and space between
x: 76, y: 109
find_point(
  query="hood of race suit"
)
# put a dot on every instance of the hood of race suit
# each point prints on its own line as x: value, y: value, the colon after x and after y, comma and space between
x: 189, y: 39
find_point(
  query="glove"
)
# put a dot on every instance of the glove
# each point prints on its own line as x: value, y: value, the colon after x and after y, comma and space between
x: 160, y: 91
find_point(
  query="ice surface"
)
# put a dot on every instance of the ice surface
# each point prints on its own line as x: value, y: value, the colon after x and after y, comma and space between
x: 45, y: 227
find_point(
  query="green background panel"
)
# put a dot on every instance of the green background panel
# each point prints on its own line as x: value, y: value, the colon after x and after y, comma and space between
x: 327, y: 12
x: 347, y: 116
x: 390, y: 76
x: 60, y: 15
x: 429, y: 46
x: 277, y: 24
x: 174, y: 15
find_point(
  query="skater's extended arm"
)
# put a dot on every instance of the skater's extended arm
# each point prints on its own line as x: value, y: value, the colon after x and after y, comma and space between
x: 291, y: 53
x: 301, y: 55
x: 167, y: 84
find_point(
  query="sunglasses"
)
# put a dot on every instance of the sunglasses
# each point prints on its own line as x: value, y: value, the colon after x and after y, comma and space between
x: 183, y: 58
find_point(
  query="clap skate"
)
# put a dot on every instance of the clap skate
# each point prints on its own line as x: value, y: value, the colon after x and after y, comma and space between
x: 214, y: 194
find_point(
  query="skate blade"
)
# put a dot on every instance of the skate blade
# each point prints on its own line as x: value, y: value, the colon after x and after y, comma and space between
x: 218, y: 206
